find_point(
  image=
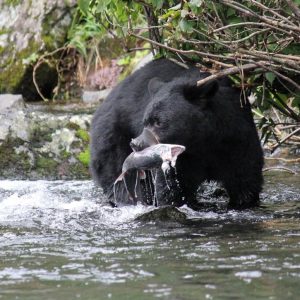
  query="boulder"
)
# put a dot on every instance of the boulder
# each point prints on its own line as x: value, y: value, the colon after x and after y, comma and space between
x: 9, y: 102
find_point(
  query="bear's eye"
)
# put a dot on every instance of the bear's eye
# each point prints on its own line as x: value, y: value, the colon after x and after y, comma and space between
x: 157, y: 123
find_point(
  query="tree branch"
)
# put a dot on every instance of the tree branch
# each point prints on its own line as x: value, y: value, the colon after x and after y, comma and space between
x: 226, y: 72
x: 285, y: 139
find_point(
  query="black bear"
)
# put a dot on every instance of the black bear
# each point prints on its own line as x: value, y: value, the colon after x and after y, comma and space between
x: 214, y: 123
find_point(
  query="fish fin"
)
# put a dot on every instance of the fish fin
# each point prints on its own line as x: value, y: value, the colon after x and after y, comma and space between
x: 121, y: 195
x: 176, y: 150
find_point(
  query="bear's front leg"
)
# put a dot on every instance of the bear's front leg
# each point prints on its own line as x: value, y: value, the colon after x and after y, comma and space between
x: 242, y: 196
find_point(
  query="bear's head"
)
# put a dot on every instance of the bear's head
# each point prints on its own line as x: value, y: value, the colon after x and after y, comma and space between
x: 179, y: 112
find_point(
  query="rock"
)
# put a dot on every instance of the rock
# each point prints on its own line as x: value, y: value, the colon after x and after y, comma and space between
x: 28, y: 29
x: 61, y: 140
x: 94, y: 97
x: 12, y: 116
x: 164, y: 214
x: 9, y: 102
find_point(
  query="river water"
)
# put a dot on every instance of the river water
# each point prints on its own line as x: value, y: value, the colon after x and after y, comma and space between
x: 59, y: 241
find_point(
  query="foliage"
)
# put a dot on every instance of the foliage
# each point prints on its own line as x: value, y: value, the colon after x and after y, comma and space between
x: 261, y: 38
x: 97, y: 18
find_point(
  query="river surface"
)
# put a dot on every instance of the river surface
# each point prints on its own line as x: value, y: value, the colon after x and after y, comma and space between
x: 59, y: 241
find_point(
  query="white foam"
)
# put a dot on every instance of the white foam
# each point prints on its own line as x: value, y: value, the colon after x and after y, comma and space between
x: 59, y: 205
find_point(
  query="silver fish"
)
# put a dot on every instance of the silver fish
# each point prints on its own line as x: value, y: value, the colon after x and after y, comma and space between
x: 155, y: 156
x: 152, y: 157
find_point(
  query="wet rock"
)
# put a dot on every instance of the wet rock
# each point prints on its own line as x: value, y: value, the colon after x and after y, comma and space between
x: 164, y: 214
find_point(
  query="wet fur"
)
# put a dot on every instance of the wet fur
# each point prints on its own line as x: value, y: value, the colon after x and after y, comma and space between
x: 214, y: 123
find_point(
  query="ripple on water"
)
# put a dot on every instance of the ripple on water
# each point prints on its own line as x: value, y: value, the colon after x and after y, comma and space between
x: 63, y: 231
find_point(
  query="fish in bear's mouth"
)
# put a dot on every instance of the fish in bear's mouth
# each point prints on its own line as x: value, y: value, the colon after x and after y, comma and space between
x: 152, y: 157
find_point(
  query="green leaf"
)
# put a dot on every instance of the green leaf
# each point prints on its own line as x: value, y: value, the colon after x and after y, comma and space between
x: 175, y: 7
x: 185, y: 26
x: 30, y: 59
x: 124, y: 61
x: 258, y: 112
x: 84, y: 6
x: 184, y: 13
x: 158, y: 4
x: 296, y: 102
x: 230, y: 12
x: 102, y: 5
x: 234, y: 20
x: 270, y: 77
x: 196, y: 3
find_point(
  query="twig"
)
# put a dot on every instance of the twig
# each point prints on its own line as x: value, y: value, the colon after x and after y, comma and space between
x: 274, y: 147
x: 280, y: 168
x: 253, y: 23
x: 247, y: 11
x: 226, y: 72
x: 203, y: 54
x: 41, y: 61
x: 246, y: 37
x: 267, y: 57
x: 279, y: 74
x: 138, y: 49
x: 282, y: 126
x: 242, y: 24
x: 283, y: 159
x: 265, y: 8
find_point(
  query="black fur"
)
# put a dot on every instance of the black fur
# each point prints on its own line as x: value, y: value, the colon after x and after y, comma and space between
x: 213, y: 122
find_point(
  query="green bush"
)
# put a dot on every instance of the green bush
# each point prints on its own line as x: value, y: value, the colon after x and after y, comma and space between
x: 255, y: 42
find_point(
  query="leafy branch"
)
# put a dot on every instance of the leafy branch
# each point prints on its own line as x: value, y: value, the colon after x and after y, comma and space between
x: 256, y: 43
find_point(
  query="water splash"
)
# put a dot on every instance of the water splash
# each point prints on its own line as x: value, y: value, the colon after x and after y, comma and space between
x: 59, y: 205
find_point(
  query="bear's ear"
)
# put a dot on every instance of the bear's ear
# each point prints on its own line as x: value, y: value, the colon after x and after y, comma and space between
x: 194, y: 93
x: 154, y: 85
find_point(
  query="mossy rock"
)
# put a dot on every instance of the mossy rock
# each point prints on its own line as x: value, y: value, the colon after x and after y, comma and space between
x: 83, y: 135
x: 11, y: 160
x: 84, y: 157
x: 30, y: 29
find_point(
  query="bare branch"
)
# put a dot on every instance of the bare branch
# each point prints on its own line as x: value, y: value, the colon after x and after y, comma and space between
x: 279, y: 74
x: 43, y: 60
x: 203, y: 54
x: 280, y: 168
x: 249, y: 12
x: 226, y: 72
x: 274, y: 147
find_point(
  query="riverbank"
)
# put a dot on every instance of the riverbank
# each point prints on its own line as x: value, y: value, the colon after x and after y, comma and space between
x: 51, y: 140
x: 44, y: 141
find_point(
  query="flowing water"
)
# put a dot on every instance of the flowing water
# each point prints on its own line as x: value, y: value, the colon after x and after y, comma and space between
x: 59, y: 241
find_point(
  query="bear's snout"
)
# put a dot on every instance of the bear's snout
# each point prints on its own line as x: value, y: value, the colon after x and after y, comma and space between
x: 146, y: 139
